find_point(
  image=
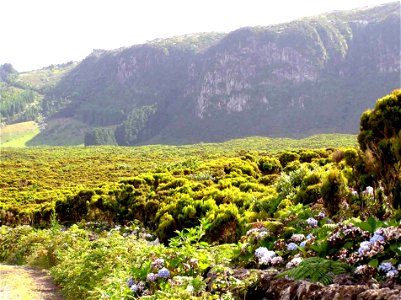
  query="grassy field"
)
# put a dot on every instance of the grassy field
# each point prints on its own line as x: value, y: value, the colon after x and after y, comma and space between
x: 17, y: 135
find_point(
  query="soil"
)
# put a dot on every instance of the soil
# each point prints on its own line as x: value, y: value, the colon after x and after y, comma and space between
x: 26, y: 283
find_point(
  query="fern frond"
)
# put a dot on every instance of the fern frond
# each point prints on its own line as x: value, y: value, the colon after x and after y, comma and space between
x: 316, y: 269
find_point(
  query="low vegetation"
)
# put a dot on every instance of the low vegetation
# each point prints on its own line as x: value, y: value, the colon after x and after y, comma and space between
x: 164, y: 222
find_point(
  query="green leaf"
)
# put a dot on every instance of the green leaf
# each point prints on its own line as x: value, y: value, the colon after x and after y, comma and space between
x: 373, y: 263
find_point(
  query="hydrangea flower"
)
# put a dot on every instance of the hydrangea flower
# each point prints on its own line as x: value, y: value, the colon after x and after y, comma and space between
x: 298, y: 237
x: 264, y: 255
x: 261, y: 251
x: 164, y: 273
x: 292, y: 246
x: 386, y: 267
x: 134, y: 288
x: 309, y: 236
x: 276, y: 260
x: 392, y: 274
x: 311, y: 222
x: 130, y: 282
x: 294, y: 262
x: 158, y: 263
x: 376, y: 238
x: 151, y: 277
x: 363, y: 248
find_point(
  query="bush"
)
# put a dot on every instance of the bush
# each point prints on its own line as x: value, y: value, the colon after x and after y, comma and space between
x: 332, y: 191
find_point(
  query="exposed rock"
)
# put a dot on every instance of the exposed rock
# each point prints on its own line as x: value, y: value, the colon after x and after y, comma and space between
x: 269, y: 287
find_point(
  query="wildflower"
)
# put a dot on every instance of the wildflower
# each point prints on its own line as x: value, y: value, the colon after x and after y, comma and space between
x: 164, y: 273
x: 152, y: 277
x: 311, y: 222
x: 321, y: 215
x: 329, y: 221
x: 297, y: 237
x: 292, y: 246
x: 354, y: 193
x: 303, y: 244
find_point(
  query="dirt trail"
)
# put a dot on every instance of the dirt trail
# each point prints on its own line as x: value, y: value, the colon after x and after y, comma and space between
x: 25, y: 283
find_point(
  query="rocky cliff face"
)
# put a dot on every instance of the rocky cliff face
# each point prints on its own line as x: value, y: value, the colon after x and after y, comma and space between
x: 315, y: 75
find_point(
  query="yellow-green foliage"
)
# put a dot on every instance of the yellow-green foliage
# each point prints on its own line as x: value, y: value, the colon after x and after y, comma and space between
x: 166, y: 188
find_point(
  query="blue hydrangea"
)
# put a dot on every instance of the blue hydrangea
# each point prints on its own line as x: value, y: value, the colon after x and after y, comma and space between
x: 309, y: 236
x: 376, y: 238
x: 363, y: 247
x: 164, y: 273
x: 130, y: 282
x: 303, y: 244
x: 312, y: 222
x: 292, y: 246
x: 386, y: 267
x: 261, y: 251
x: 134, y: 288
x: 392, y: 274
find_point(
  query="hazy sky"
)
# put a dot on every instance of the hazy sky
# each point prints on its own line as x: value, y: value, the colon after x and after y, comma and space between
x: 37, y: 33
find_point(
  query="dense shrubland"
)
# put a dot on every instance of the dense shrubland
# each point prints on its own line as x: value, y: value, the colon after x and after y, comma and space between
x: 167, y: 222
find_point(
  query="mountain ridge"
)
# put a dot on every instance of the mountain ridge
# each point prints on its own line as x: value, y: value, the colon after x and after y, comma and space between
x: 209, y: 87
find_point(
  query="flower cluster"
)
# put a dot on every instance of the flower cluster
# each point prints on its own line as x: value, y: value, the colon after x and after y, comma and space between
x: 135, y: 287
x: 164, y: 273
x: 151, y: 277
x: 388, y: 269
x: 389, y: 233
x: 372, y: 247
x: 294, y: 262
x: 292, y: 246
x: 311, y: 222
x: 158, y: 263
x: 345, y: 232
x: 365, y: 271
x: 257, y: 233
x: 267, y: 257
x: 321, y: 215
x: 297, y: 237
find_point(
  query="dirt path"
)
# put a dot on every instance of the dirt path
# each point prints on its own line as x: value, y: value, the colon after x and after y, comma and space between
x: 25, y: 283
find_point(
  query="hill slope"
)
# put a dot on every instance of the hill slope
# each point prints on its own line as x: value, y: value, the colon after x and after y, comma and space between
x: 314, y: 75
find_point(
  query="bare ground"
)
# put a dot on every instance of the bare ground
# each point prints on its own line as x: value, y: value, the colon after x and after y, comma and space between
x: 25, y: 283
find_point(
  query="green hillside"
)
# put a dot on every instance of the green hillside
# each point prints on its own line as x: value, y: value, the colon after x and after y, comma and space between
x: 311, y: 76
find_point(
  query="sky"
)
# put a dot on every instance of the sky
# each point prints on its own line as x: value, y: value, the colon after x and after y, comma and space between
x: 38, y: 33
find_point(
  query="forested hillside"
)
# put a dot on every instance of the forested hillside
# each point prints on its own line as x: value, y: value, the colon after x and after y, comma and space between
x: 314, y: 75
